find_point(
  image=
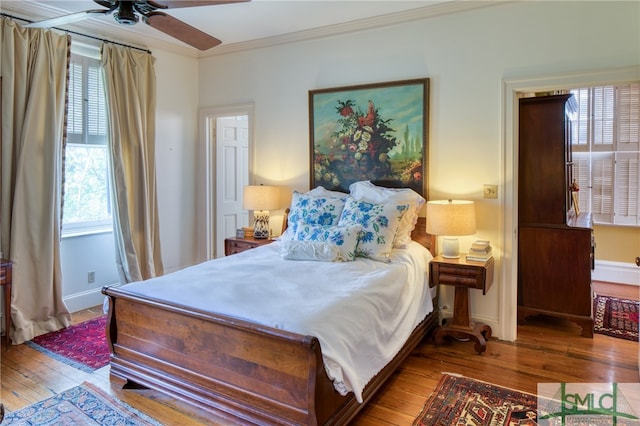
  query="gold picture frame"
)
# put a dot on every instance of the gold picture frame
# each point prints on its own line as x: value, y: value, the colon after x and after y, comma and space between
x: 376, y: 132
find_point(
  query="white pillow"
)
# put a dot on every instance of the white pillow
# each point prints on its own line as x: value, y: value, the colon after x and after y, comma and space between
x: 367, y: 191
x: 321, y: 191
x: 309, y: 250
x: 379, y: 223
x: 344, y: 237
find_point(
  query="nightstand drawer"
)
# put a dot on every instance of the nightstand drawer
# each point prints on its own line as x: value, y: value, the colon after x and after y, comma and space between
x: 460, y: 276
x: 234, y: 246
x: 462, y: 273
x: 238, y: 245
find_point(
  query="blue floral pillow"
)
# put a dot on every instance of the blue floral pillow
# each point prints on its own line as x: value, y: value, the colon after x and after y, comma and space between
x: 344, y: 237
x: 379, y: 223
x: 366, y: 191
x: 313, y: 210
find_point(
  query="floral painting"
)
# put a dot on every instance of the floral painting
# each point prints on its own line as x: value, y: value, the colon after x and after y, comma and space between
x: 372, y: 132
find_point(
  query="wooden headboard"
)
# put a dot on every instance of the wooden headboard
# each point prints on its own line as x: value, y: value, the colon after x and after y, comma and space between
x: 420, y: 235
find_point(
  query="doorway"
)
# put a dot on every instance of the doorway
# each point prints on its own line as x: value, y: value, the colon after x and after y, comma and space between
x: 228, y: 140
x: 512, y: 90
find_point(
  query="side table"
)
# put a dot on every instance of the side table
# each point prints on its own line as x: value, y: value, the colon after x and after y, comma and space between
x: 5, y: 282
x: 464, y: 275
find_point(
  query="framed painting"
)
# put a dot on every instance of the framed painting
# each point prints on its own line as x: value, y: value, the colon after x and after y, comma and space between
x: 376, y: 132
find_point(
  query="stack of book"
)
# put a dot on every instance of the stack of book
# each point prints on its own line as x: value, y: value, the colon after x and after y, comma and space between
x: 480, y: 251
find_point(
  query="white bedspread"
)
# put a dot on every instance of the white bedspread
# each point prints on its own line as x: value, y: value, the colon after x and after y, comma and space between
x: 362, y: 312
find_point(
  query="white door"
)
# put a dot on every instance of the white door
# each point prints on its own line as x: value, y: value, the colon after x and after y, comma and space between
x: 232, y: 175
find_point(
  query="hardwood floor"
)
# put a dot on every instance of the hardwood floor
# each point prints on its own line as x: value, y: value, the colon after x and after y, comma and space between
x: 547, y: 350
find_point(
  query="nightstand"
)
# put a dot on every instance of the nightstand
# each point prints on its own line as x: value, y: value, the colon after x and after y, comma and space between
x: 235, y: 245
x: 464, y: 275
x: 5, y: 282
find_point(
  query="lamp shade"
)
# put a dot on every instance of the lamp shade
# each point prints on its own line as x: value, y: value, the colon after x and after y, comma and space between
x: 261, y: 197
x: 451, y: 217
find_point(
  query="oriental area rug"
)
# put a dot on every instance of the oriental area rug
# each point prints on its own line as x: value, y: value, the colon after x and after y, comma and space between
x: 82, y: 405
x: 616, y: 317
x: 83, y: 346
x: 459, y: 400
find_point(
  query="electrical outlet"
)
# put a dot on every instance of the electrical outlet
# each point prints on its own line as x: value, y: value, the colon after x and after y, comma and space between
x: 490, y: 191
x: 91, y: 276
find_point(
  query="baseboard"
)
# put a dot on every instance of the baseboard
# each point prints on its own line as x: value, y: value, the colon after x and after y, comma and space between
x: 93, y: 297
x: 616, y: 272
x: 84, y: 300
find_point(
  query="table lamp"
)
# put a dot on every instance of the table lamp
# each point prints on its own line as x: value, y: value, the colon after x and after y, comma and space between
x: 261, y: 199
x: 450, y: 219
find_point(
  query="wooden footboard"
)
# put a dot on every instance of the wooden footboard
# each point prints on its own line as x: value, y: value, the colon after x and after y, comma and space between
x: 240, y: 371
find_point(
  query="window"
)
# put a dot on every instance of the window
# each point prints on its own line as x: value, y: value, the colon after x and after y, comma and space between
x: 87, y: 203
x: 605, y: 136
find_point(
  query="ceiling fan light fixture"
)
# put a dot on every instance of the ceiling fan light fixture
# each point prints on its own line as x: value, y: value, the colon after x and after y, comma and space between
x: 126, y: 19
x: 125, y: 14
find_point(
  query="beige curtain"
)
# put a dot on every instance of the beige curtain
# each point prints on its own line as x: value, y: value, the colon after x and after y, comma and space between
x: 130, y: 86
x: 33, y: 64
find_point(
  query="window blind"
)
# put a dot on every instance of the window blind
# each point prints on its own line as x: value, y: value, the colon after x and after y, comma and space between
x: 605, y: 139
x: 74, y: 113
x: 628, y: 111
x: 627, y: 176
x: 87, y: 115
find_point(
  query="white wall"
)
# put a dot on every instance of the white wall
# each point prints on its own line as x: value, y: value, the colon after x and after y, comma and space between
x: 466, y: 55
x: 79, y: 255
x: 179, y: 193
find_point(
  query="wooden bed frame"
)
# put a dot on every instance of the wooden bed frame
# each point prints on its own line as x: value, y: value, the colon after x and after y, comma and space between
x: 242, y: 372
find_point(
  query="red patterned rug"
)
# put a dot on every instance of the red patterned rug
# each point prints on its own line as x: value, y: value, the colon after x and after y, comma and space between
x: 616, y: 317
x: 83, y: 345
x: 460, y: 400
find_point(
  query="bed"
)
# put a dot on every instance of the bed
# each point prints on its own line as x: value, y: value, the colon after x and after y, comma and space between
x: 246, y: 368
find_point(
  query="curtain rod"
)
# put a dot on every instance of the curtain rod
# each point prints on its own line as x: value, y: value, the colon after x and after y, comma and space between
x: 79, y: 34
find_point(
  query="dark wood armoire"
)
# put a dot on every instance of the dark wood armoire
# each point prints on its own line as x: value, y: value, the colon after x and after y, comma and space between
x: 555, y: 245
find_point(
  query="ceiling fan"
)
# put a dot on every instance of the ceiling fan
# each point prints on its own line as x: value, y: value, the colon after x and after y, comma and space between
x: 126, y: 12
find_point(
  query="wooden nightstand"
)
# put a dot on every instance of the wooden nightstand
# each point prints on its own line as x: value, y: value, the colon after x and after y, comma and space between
x: 5, y: 282
x: 464, y: 275
x: 235, y: 245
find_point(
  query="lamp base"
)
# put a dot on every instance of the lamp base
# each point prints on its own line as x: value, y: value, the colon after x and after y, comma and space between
x: 450, y: 248
x: 261, y: 224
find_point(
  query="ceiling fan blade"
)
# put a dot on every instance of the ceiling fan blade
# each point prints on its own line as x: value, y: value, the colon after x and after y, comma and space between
x: 175, y: 4
x: 67, y: 19
x: 180, y: 30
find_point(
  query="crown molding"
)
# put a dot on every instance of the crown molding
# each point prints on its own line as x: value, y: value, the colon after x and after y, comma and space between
x: 440, y: 9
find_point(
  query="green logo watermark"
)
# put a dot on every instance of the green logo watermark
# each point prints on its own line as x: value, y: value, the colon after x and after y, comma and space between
x: 588, y: 404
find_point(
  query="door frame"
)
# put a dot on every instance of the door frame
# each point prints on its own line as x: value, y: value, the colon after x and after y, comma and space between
x: 208, y: 118
x: 511, y: 91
